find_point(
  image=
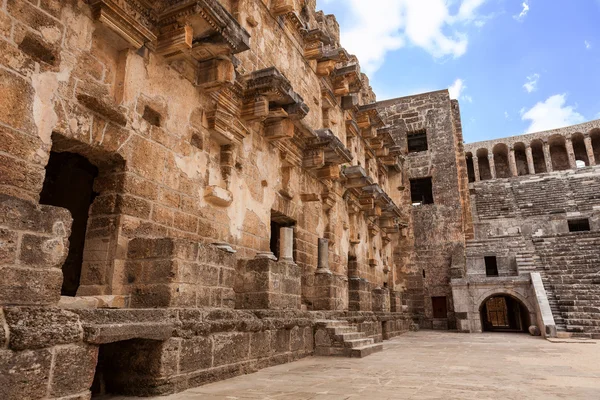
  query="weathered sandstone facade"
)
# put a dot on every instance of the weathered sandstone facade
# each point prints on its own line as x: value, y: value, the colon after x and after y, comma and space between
x: 196, y: 189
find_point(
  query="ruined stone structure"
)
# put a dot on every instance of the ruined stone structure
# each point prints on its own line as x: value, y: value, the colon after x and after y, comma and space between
x: 536, y: 211
x: 196, y: 189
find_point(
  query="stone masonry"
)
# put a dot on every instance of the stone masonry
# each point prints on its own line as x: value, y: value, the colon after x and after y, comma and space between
x: 192, y: 190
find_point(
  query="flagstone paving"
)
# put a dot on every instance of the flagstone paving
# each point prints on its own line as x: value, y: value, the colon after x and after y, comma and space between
x: 429, y: 365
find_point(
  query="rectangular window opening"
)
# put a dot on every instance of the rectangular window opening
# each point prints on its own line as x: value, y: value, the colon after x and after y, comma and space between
x: 417, y: 141
x: 579, y: 225
x: 491, y: 266
x: 421, y: 191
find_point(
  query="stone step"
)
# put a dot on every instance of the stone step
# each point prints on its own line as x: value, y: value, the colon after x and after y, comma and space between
x: 357, y: 343
x: 351, y: 336
x: 340, y: 330
x: 360, y: 352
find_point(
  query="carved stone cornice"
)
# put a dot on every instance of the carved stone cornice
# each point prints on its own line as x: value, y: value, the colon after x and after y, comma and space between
x: 129, y: 18
x: 346, y: 79
x: 325, y: 149
x: 273, y: 90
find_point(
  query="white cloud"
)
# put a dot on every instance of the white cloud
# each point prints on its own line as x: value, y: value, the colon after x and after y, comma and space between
x: 531, y: 84
x: 457, y: 91
x: 376, y: 27
x: 588, y: 45
x: 551, y: 114
x: 507, y: 115
x: 523, y: 13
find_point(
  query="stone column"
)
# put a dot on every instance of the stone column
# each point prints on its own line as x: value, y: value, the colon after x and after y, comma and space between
x: 548, y: 157
x: 512, y: 162
x: 286, y: 245
x: 530, y: 164
x: 476, y: 168
x: 589, y: 149
x: 492, y: 165
x: 571, y: 153
x: 323, y: 257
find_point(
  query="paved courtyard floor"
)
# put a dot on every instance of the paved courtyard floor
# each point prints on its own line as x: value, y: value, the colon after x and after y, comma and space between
x: 429, y: 365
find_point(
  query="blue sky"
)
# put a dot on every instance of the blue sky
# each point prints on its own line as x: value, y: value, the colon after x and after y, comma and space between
x: 516, y: 66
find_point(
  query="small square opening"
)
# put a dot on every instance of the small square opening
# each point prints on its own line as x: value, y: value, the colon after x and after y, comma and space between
x: 491, y: 266
x: 579, y: 225
x: 417, y: 141
x: 421, y: 191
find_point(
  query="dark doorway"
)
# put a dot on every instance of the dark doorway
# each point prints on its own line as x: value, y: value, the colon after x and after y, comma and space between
x: 69, y: 184
x: 504, y: 314
x: 440, y: 307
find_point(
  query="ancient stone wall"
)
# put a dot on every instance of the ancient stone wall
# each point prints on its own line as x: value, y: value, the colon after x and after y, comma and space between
x: 526, y: 224
x: 436, y: 232
x: 206, y: 128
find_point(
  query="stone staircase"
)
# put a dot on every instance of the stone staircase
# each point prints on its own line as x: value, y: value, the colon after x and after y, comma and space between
x: 527, y: 260
x: 337, y: 338
x: 571, y: 275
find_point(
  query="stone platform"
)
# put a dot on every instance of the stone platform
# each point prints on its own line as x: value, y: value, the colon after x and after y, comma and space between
x: 428, y: 365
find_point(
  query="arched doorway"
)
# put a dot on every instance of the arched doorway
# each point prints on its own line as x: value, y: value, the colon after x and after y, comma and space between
x: 504, y: 313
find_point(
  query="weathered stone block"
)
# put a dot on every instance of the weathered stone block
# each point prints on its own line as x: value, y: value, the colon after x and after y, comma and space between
x: 34, y: 328
x: 74, y: 368
x: 24, y: 374
x: 260, y: 344
x: 27, y: 286
x: 8, y: 246
x: 231, y: 348
x: 196, y: 354
x: 43, y: 251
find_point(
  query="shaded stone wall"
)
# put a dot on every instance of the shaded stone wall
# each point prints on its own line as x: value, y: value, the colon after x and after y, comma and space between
x: 436, y: 231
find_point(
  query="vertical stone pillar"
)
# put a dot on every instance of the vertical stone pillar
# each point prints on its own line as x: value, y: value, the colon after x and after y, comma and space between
x: 492, y: 165
x: 476, y: 168
x: 512, y: 162
x: 589, y: 149
x: 530, y: 164
x: 548, y: 157
x: 286, y: 245
x: 571, y: 153
x: 323, y: 257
